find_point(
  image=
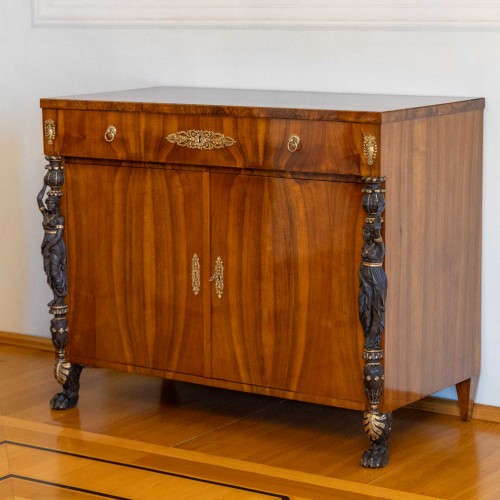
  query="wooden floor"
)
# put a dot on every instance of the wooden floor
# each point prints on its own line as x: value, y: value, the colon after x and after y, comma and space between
x: 139, y: 437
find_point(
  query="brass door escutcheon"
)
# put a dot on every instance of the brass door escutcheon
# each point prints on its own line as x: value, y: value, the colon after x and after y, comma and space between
x: 195, y: 274
x: 218, y: 277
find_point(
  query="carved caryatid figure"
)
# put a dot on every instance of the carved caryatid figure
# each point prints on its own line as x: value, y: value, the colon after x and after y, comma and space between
x: 372, y: 282
x: 54, y: 264
x: 371, y: 300
x: 53, y: 247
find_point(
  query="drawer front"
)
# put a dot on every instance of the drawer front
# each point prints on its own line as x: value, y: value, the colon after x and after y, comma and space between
x: 206, y: 140
x: 255, y: 143
x: 89, y: 134
x: 324, y: 147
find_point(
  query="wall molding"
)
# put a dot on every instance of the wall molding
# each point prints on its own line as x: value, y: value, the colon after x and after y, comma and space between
x: 466, y: 15
x: 28, y: 341
x: 434, y: 404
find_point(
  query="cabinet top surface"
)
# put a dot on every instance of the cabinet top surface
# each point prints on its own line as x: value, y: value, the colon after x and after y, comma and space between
x: 369, y: 108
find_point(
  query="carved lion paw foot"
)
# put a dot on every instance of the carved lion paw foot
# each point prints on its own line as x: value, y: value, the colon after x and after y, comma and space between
x: 64, y: 401
x: 375, y: 457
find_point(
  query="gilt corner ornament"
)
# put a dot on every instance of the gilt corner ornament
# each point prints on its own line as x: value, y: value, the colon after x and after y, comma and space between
x: 370, y: 148
x: 200, y: 139
x: 49, y: 129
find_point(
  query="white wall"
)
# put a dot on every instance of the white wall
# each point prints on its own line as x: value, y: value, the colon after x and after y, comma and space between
x: 42, y: 62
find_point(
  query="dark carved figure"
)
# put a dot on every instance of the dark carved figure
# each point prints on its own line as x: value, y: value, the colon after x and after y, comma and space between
x: 53, y: 247
x: 54, y: 264
x: 372, y: 282
x: 371, y: 301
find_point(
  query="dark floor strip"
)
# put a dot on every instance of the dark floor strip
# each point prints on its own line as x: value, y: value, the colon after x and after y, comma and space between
x: 136, y: 467
x: 64, y: 486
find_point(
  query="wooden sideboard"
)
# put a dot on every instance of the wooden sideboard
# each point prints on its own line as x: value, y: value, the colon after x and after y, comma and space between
x: 312, y: 246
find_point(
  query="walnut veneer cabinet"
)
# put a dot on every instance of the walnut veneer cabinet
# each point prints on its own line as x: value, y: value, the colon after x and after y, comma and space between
x: 312, y: 246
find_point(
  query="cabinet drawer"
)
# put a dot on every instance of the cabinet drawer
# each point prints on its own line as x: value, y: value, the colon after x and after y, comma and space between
x: 137, y: 136
x: 324, y: 147
x: 205, y: 140
x: 85, y: 134
x: 256, y: 143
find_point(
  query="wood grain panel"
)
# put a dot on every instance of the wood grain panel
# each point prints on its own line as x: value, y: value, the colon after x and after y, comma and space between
x: 83, y: 219
x: 244, y: 153
x: 133, y: 236
x: 81, y: 134
x: 326, y: 147
x: 288, y: 316
x: 433, y: 260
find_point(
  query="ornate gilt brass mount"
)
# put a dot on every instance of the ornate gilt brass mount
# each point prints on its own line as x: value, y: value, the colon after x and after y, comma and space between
x: 49, y: 130
x: 195, y: 274
x: 371, y: 300
x: 218, y: 277
x: 200, y: 139
x: 370, y: 148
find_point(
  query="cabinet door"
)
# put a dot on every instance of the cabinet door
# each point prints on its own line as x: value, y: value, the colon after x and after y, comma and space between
x: 287, y: 318
x: 132, y: 234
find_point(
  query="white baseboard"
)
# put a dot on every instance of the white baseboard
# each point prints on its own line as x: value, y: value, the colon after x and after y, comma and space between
x: 433, y: 404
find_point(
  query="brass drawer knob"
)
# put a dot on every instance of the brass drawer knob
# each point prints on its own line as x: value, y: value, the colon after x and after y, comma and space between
x: 110, y: 134
x: 294, y: 143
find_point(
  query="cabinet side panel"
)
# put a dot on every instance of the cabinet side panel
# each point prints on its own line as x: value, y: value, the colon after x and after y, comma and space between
x: 433, y: 261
